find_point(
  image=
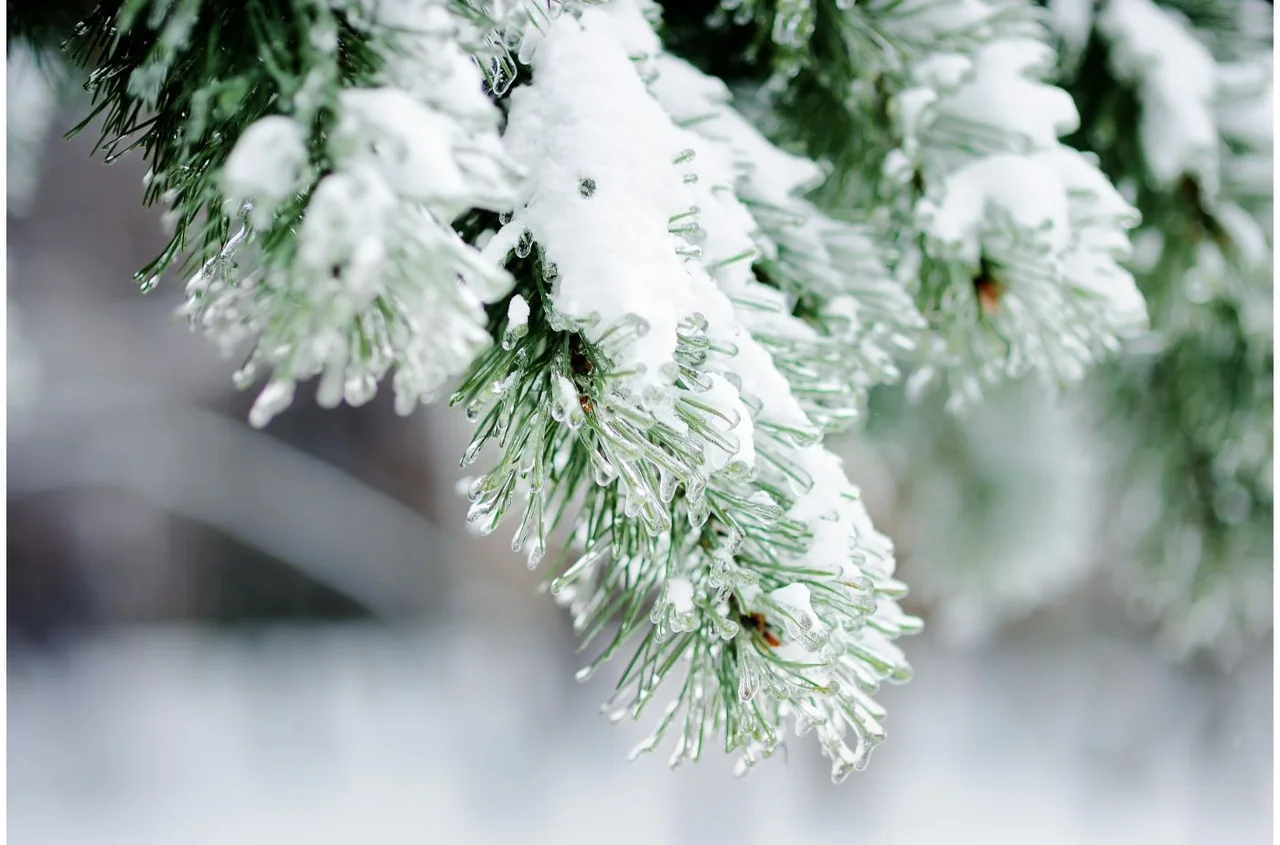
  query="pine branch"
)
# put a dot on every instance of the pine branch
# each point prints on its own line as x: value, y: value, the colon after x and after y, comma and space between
x: 653, y: 414
x: 914, y: 108
x: 1191, y: 410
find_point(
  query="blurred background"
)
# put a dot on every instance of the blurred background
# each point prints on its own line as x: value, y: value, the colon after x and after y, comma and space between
x: 222, y: 635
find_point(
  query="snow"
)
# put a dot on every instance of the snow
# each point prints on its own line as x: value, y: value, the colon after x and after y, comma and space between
x: 795, y: 597
x: 409, y: 143
x: 680, y: 595
x: 1072, y: 20
x: 517, y: 313
x: 587, y: 115
x: 1002, y: 94
x: 1000, y: 187
x: 1099, y: 220
x: 1245, y: 117
x: 1177, y: 77
x: 266, y: 166
x: 375, y: 284
x: 1015, y: 185
x: 340, y: 733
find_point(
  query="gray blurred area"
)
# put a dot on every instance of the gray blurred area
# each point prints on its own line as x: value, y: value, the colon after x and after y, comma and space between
x: 220, y: 635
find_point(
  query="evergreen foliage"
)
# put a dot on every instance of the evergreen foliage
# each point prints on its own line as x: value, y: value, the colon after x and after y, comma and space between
x: 658, y: 261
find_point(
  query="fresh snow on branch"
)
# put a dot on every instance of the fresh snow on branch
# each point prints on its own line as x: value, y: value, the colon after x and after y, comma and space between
x: 374, y: 282
x: 770, y: 576
x: 1017, y: 267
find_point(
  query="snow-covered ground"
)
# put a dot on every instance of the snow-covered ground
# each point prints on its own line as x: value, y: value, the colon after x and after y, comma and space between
x: 470, y: 734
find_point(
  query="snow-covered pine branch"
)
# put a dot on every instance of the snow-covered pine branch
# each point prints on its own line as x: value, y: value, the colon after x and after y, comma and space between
x: 1019, y: 236
x: 1191, y: 410
x: 640, y: 385
x: 1009, y: 241
x: 371, y: 282
x: 657, y: 314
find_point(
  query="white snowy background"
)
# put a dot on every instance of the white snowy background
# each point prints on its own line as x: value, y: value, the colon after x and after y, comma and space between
x: 137, y: 490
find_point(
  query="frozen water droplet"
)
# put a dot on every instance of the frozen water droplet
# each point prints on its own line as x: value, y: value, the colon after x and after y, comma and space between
x: 699, y: 511
x: 587, y: 187
x: 244, y: 376
x: 748, y: 683
x: 359, y: 389
x: 273, y: 399
x: 524, y: 245
x: 473, y: 452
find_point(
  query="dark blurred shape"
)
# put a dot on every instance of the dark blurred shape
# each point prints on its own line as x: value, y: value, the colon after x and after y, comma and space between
x: 49, y: 598
x: 48, y: 24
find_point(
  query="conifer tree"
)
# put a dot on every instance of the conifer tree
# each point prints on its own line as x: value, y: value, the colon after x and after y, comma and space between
x: 656, y: 254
